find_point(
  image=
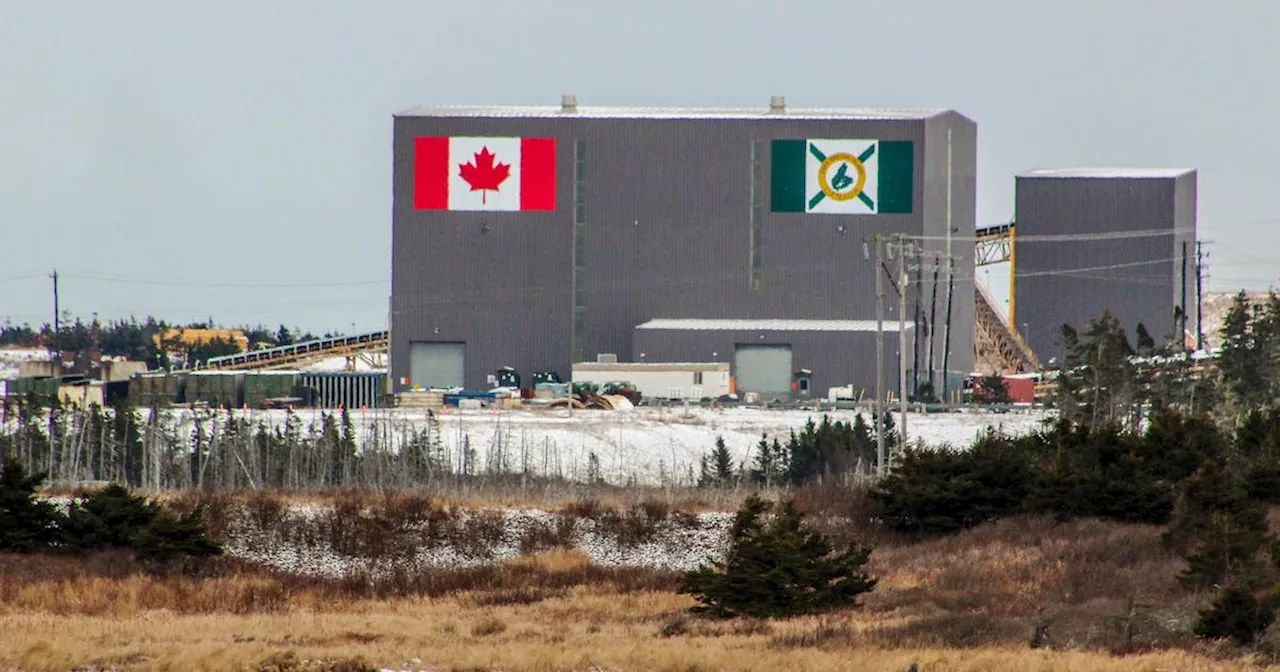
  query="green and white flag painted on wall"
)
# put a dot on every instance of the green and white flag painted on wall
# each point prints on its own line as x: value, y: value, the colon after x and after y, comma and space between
x: 842, y: 177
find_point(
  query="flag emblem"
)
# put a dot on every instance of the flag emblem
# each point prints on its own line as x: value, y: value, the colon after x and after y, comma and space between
x: 474, y: 173
x: 847, y: 177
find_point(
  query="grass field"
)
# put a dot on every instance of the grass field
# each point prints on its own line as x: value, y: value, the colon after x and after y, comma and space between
x: 1087, y: 595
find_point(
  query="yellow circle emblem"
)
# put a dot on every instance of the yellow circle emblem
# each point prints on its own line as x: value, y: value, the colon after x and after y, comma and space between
x: 837, y: 192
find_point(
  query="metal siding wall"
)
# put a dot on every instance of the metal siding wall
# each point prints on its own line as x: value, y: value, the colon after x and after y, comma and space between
x: 836, y: 358
x: 668, y: 204
x: 1184, y: 217
x: 346, y: 390
x: 1142, y: 290
x: 962, y: 135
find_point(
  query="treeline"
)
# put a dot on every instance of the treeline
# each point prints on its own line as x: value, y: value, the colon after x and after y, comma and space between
x: 107, y: 519
x: 136, y: 339
x: 1210, y: 487
x: 209, y: 448
x: 830, y: 449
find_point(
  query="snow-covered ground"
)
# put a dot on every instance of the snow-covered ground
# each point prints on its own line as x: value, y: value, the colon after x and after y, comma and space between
x: 11, y: 360
x: 646, y: 445
x: 676, y: 544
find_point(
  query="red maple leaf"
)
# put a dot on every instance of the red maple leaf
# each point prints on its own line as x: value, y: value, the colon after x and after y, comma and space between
x: 483, y: 174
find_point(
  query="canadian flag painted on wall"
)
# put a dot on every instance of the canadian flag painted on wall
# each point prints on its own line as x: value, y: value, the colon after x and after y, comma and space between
x: 469, y: 173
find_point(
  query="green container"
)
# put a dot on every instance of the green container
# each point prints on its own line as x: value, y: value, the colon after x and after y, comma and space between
x: 214, y: 389
x: 263, y: 385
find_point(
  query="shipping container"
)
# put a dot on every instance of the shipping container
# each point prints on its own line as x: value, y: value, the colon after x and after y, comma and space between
x: 656, y: 380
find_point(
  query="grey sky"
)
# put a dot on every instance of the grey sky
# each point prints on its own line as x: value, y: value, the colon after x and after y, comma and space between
x: 249, y: 142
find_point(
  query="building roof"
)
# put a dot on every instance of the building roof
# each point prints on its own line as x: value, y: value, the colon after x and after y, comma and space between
x: 1113, y: 173
x: 651, y: 366
x: 672, y: 112
x: 769, y: 325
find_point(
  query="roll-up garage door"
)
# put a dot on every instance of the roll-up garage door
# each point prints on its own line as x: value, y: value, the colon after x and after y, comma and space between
x: 763, y: 368
x: 436, y: 365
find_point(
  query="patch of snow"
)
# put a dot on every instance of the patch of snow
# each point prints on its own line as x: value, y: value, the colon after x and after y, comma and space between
x: 338, y: 364
x: 11, y: 360
x: 644, y: 445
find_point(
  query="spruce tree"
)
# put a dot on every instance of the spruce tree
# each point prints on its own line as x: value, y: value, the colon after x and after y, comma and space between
x: 26, y: 523
x: 722, y: 464
x: 778, y: 568
x: 1237, y: 614
x: 990, y: 389
x: 1239, y: 361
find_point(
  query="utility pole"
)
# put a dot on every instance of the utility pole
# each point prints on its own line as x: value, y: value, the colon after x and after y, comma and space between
x: 57, y: 328
x: 902, y: 338
x: 946, y: 327
x: 880, y: 457
x: 933, y: 324
x: 915, y: 332
x: 1199, y: 296
x: 1182, y: 305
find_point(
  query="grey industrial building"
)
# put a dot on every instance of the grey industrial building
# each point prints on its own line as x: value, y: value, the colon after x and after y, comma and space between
x: 665, y: 237
x: 1089, y: 240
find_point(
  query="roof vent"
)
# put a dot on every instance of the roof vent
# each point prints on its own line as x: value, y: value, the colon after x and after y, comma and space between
x: 568, y: 103
x: 777, y: 104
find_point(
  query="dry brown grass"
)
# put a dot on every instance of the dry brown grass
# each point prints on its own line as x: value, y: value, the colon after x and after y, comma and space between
x: 1101, y: 596
x: 1087, y: 595
x: 503, y: 493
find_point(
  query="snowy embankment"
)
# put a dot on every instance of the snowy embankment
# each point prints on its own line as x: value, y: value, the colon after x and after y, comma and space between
x: 646, y: 445
x: 478, y: 537
x: 642, y: 446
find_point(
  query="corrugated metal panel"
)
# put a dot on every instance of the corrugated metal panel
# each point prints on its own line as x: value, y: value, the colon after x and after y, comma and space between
x: 344, y: 390
x: 765, y: 369
x: 770, y: 325
x: 1110, y: 173
x: 669, y: 205
x: 836, y: 358
x: 1137, y: 278
x: 542, y: 112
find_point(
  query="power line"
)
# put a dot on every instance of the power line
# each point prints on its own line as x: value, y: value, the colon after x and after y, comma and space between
x: 139, y: 280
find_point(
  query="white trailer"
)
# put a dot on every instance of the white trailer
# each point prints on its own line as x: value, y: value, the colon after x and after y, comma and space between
x: 660, y: 380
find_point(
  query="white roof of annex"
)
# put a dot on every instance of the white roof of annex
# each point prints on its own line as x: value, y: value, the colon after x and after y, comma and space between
x: 685, y: 324
x: 790, y: 113
x: 1110, y: 173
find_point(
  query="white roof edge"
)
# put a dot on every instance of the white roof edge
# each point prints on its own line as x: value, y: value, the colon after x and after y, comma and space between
x: 1117, y: 172
x: 603, y: 112
x: 693, y: 324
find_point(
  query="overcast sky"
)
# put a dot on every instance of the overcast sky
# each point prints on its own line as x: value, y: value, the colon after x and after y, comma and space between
x: 156, y: 152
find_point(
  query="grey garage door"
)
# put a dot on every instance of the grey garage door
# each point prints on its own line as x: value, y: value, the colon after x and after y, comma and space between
x: 763, y: 368
x: 436, y: 365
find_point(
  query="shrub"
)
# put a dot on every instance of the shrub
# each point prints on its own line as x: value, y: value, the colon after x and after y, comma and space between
x: 114, y: 518
x: 26, y: 523
x: 779, y: 568
x: 939, y: 491
x: 1236, y: 614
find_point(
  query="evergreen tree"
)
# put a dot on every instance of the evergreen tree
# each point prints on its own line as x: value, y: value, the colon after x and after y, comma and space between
x: 26, y: 523
x: 1240, y: 358
x: 1145, y: 345
x: 718, y: 470
x: 990, y: 389
x: 1237, y: 614
x: 1225, y: 528
x: 778, y: 568
x: 1069, y: 387
x: 114, y: 518
x: 939, y: 490
x: 769, y: 466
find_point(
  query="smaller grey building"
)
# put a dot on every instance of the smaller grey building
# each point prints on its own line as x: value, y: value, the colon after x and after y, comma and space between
x: 1089, y: 240
x: 773, y: 356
